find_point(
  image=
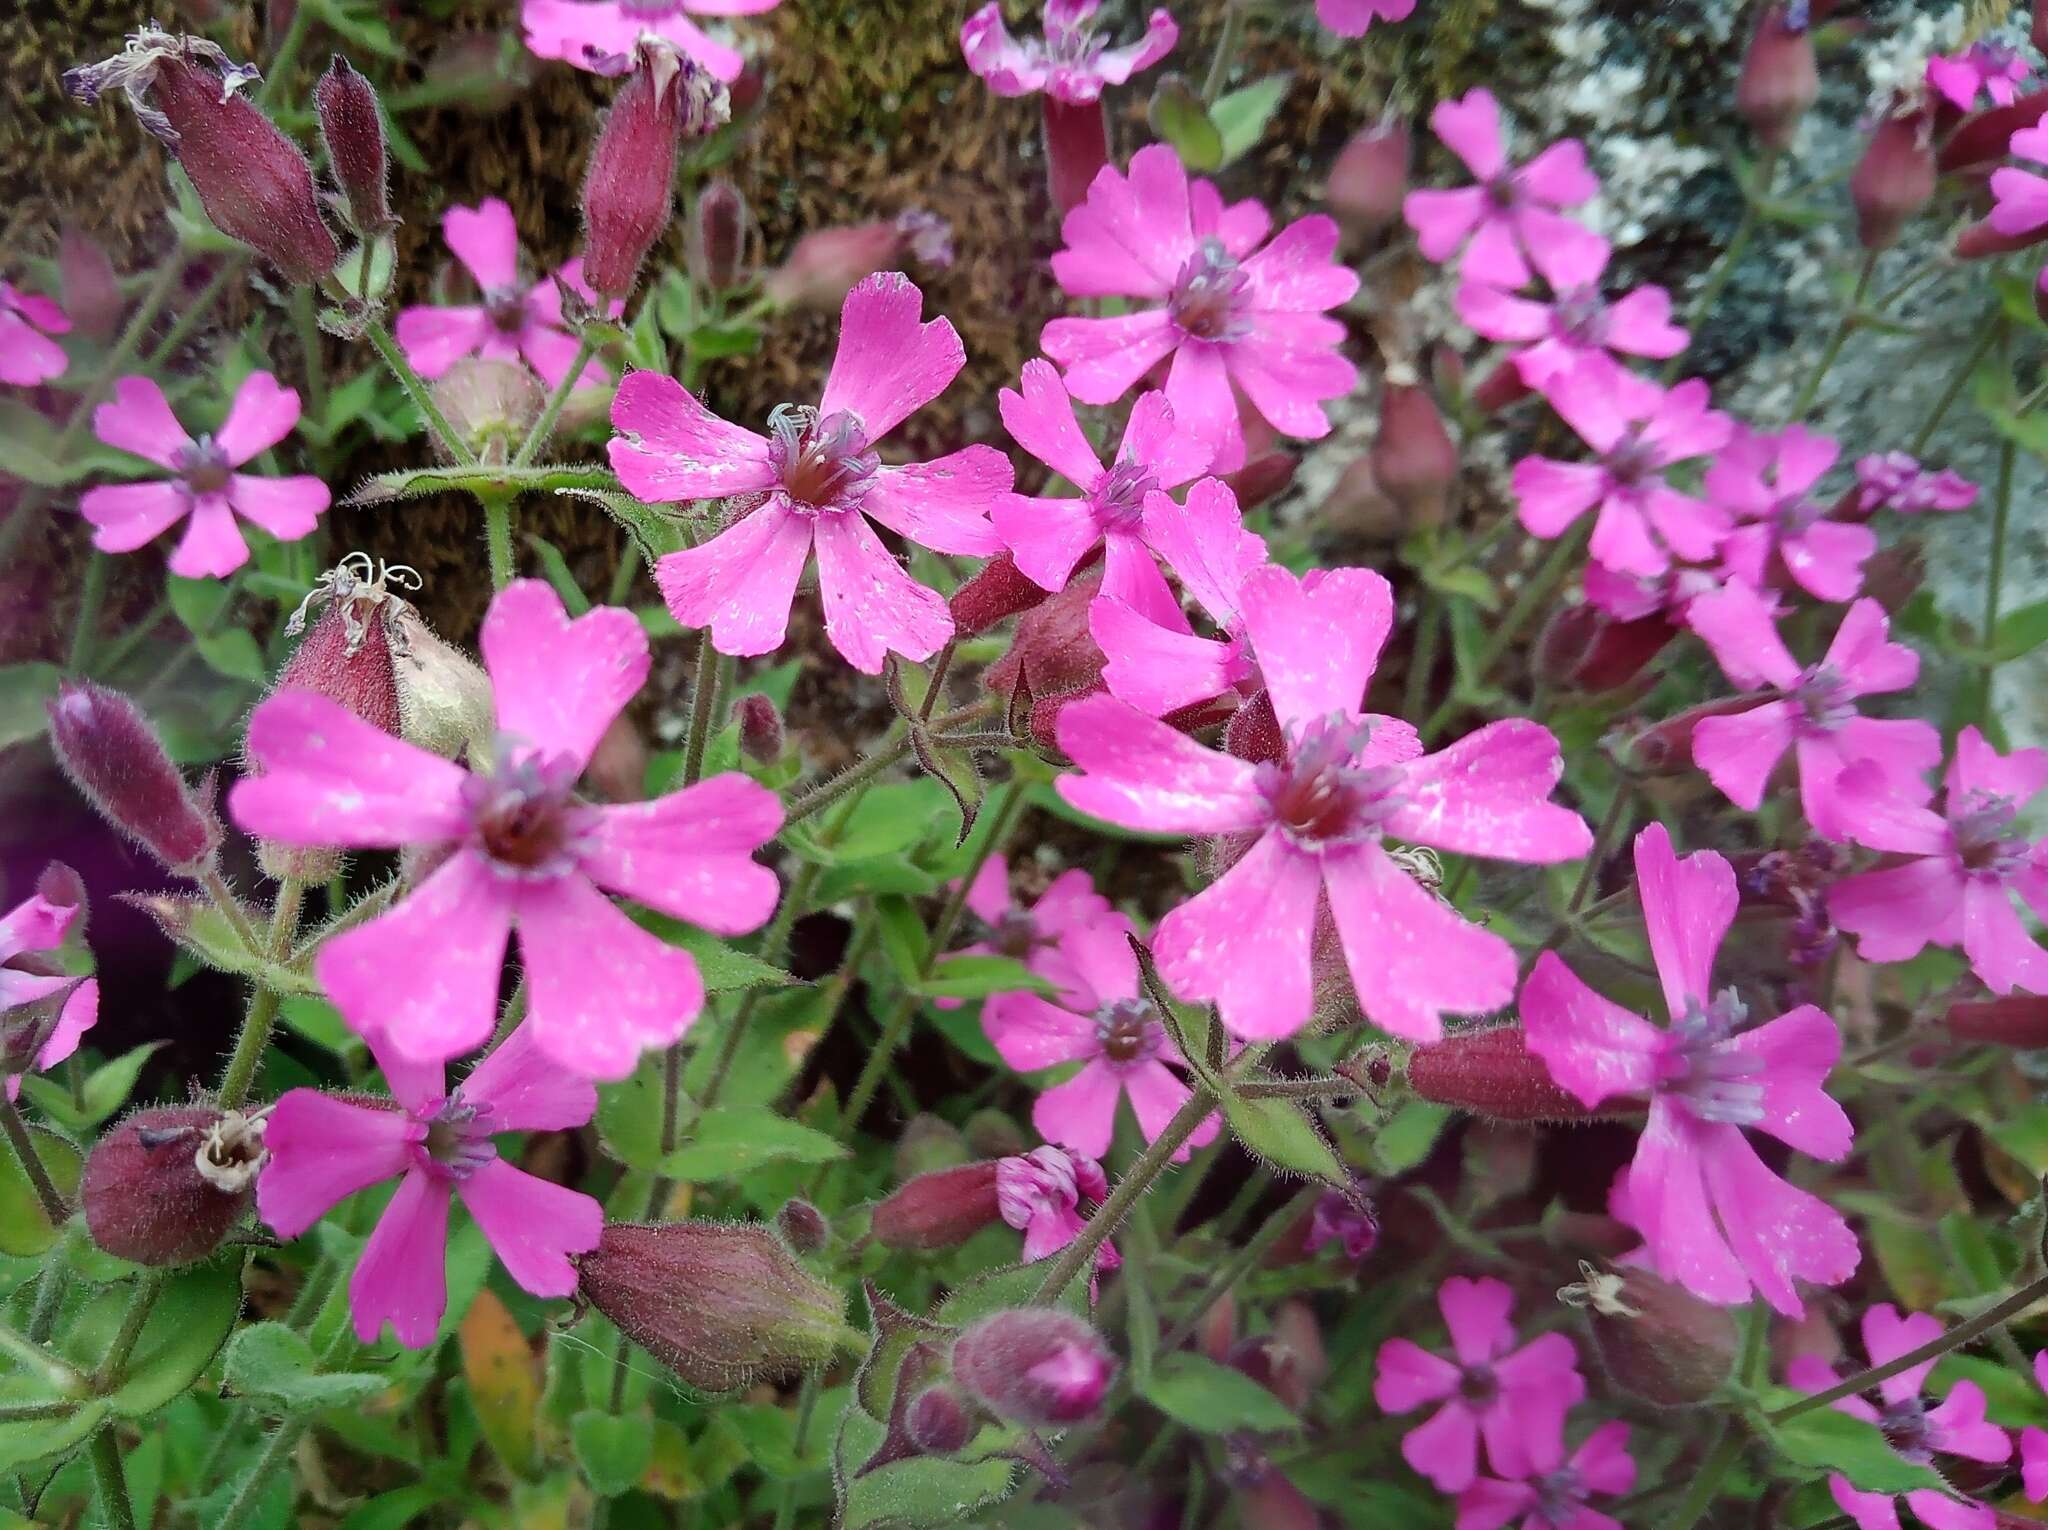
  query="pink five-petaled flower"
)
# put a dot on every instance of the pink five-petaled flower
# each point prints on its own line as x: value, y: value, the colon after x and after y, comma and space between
x: 1107, y: 1025
x: 1316, y: 818
x: 435, y: 1141
x: 513, y: 320
x: 43, y: 1010
x: 2034, y: 1443
x: 1897, y: 481
x: 207, y: 492
x: 815, y: 481
x: 1965, y: 866
x: 1814, y: 712
x: 1555, y: 1498
x: 1766, y: 482
x: 27, y: 353
x: 1577, y: 322
x: 1516, y: 1399
x: 2019, y: 206
x: 590, y: 33
x: 1953, y: 1426
x: 1638, y: 429
x: 1040, y: 1193
x: 1512, y: 210
x: 1351, y: 18
x: 1713, y: 1217
x: 1980, y: 69
x: 1070, y: 63
x: 1120, y: 505
x: 1237, y: 310
x: 1032, y: 935
x: 521, y: 849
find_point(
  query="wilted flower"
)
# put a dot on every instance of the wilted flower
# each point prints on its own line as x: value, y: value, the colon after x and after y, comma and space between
x: 28, y: 355
x: 592, y: 33
x: 1040, y: 1193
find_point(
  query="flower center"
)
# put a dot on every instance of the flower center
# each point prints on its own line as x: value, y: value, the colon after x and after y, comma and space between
x: 204, y: 467
x: 1320, y: 795
x: 1796, y: 514
x: 526, y: 816
x: 1716, y: 1080
x: 1071, y: 47
x: 459, y: 1138
x: 1633, y: 459
x: 507, y: 309
x: 1978, y: 824
x: 1908, y: 1431
x: 1825, y: 697
x: 1127, y: 1031
x: 1205, y: 298
x: 1479, y: 1387
x: 823, y: 461
x: 1559, y: 1497
x: 1015, y: 935
x: 1578, y: 317
x: 1119, y: 499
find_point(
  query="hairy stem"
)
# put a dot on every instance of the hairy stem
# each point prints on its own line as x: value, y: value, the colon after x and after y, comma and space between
x: 1844, y: 326
x: 39, y: 1180
x: 416, y: 390
x: 262, y: 1011
x: 1738, y: 245
x: 1706, y: 1481
x: 283, y: 1441
x: 85, y: 626
x: 115, y: 1508
x: 1994, y: 577
x: 544, y: 427
x: 1957, y: 381
x: 825, y: 793
x: 712, y: 671
x: 1241, y: 1264
x: 108, y: 1373
x: 498, y: 536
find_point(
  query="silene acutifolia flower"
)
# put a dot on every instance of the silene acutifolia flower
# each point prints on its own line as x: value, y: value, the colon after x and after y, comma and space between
x: 1556, y: 1495
x: 28, y: 354
x: 44, y: 1011
x: 1031, y: 933
x: 1782, y: 528
x: 592, y: 33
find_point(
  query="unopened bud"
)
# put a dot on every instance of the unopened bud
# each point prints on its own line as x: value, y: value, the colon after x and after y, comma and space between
x: 1985, y: 137
x: 940, y: 1209
x: 1665, y: 748
x: 1502, y: 386
x: 92, y: 291
x: 2020, y: 1020
x: 719, y: 1304
x: 803, y: 1227
x: 1894, y: 574
x: 489, y: 403
x: 1780, y: 78
x: 1582, y: 648
x: 1414, y: 461
x: 718, y: 236
x: 1369, y: 180
x: 629, y: 189
x: 1658, y: 1341
x: 1053, y: 654
x: 999, y: 591
x: 826, y: 263
x: 760, y: 728
x: 1253, y: 732
x: 929, y: 1142
x: 353, y: 130
x: 1895, y: 178
x: 1076, y: 149
x: 117, y: 762
x: 993, y: 1133
x: 1034, y: 1366
x: 1491, y: 1073
x: 938, y: 1422
x: 165, y: 1186
x: 444, y: 697
x: 1264, y: 477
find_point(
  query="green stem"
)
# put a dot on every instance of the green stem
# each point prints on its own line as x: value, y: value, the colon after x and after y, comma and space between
x: 498, y: 536
x: 416, y: 390
x: 194, y: 312
x: 1957, y: 381
x: 110, y: 657
x: 309, y: 345
x: 624, y: 574
x: 114, y: 1362
x: 936, y: 686
x: 50, y: 1283
x: 263, y: 1003
x: 1297, y: 1089
x: 1429, y: 621
x: 1532, y: 602
x: 281, y: 1444
x: 25, y: 1413
x: 1614, y: 821
x: 1241, y: 1264
x: 1844, y: 326
x: 1706, y: 1480
x: 1226, y: 49
x: 712, y: 669
x: 85, y: 628
x: 1738, y: 245
x: 34, y: 1357
x: 825, y: 793
x: 115, y: 1508
x: 1994, y: 578
x: 54, y: 1208
x: 544, y: 427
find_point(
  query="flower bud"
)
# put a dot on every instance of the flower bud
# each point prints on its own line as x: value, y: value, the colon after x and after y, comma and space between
x: 117, y: 762
x: 1491, y: 1073
x: 717, y: 1303
x: 993, y: 1133
x: 1369, y: 180
x: 629, y: 189
x: 1665, y: 748
x: 826, y: 263
x: 1582, y: 648
x: 1502, y: 386
x: 1076, y: 147
x: 1053, y: 655
x: 2019, y: 1020
x: 929, y: 1142
x: 165, y: 1186
x: 1413, y: 458
x: 1658, y: 1341
x: 1034, y: 1366
x: 444, y: 697
x: 999, y: 591
x: 1264, y: 477
x: 1895, y: 178
x: 718, y: 236
x: 760, y: 728
x: 490, y: 404
x: 938, y: 1422
x: 92, y: 291
x: 252, y: 180
x: 353, y: 130
x: 803, y: 1227
x: 1984, y: 138
x: 940, y: 1209
x: 1780, y: 79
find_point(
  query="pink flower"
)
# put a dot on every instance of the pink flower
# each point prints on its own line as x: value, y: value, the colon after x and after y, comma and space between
x: 588, y: 33
x: 1315, y: 820
x: 1556, y: 1499
x: 1352, y: 18
x: 1638, y: 429
x: 512, y: 845
x: 1515, y: 1399
x: 1766, y: 482
x: 1105, y: 1023
x: 1954, y: 1426
x: 1032, y: 935
x: 1119, y: 505
x: 27, y: 353
x: 1155, y: 660
x: 1070, y: 63
x: 434, y: 1140
x: 1813, y: 713
x: 1896, y: 481
x: 1713, y: 1217
x: 207, y: 493
x: 1512, y: 210
x: 1577, y: 323
x: 1040, y: 1193
x: 1964, y: 866
x: 1346, y: 1219
x: 2034, y: 1443
x: 1237, y: 310
x: 2019, y: 205
x: 1630, y: 597
x: 44, y: 1011
x: 1981, y: 68
x: 816, y: 481
x: 514, y: 320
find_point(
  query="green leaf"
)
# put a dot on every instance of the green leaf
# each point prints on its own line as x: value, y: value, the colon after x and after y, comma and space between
x: 915, y: 1491
x: 1179, y: 118
x: 904, y: 939
x: 28, y: 449
x: 26, y: 1440
x: 1824, y: 1440
x: 193, y: 1316
x: 1280, y: 1132
x: 1014, y: 1286
x: 24, y: 689
x: 721, y: 967
x: 1194, y: 1390
x: 674, y: 304
x: 203, y: 931
x: 106, y: 1090
x: 1241, y: 116
x: 613, y: 1450
x: 24, y: 1230
x: 735, y: 1139
x: 889, y: 818
x: 711, y: 342
x: 1464, y: 579
x: 393, y: 1510
x: 976, y: 977
x: 199, y: 603
x: 276, y: 1369
x: 2021, y: 632
x: 1406, y: 1139
x: 235, y: 654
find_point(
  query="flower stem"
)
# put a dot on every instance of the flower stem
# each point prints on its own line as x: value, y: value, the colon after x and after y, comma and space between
x: 416, y: 390
x: 282, y: 1443
x: 262, y: 1011
x: 1226, y: 49
x: 85, y: 627
x: 1535, y: 598
x: 115, y: 1508
x: 32, y: 1164
x: 1957, y: 381
x: 1429, y: 622
x: 936, y: 686
x: 108, y: 1373
x: 1810, y: 389
x: 1706, y: 1481
x: 1241, y: 1264
x: 34, y: 1357
x: 712, y: 670
x: 1738, y: 245
x: 544, y: 427
x: 1615, y: 821
x: 825, y: 793
x: 188, y: 319
x: 1994, y: 577
x: 498, y: 536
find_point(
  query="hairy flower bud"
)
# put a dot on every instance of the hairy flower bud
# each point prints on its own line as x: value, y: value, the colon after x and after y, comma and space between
x: 1253, y: 732
x: 938, y: 1422
x: 761, y: 738
x: 1034, y: 1366
x: 2019, y: 1020
x: 165, y: 1186
x: 252, y: 180
x: 117, y: 762
x: 1076, y: 147
x: 1369, y: 180
x: 629, y: 188
x: 1054, y: 655
x: 444, y: 697
x: 1413, y: 458
x: 1895, y: 178
x: 999, y: 591
x: 353, y: 129
x: 1264, y: 477
x: 940, y: 1209
x: 1780, y: 78
x: 1582, y: 648
x: 1658, y: 1341
x: 92, y: 290
x: 717, y: 1303
x: 490, y: 403
x: 803, y: 1226
x: 718, y: 236
x: 1491, y: 1073
x: 824, y: 265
